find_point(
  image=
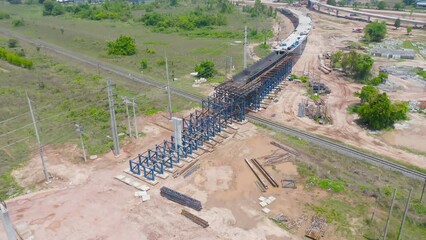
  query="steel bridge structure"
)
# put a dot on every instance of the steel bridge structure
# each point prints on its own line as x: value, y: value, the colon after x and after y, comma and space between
x: 230, y: 103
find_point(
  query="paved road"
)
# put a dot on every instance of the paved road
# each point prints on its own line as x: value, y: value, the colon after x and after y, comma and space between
x: 348, y: 151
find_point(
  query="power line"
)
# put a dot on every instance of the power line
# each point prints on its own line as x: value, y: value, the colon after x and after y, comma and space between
x: 15, y: 117
x: 15, y: 130
x: 18, y: 141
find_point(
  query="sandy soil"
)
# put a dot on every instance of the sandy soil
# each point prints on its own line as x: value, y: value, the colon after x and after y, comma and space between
x: 83, y: 201
x: 327, y: 36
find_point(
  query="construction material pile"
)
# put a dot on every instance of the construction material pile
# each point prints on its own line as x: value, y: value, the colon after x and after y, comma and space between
x: 317, y: 228
x: 315, y: 109
x: 203, y: 223
x: 180, y: 198
x: 275, y: 158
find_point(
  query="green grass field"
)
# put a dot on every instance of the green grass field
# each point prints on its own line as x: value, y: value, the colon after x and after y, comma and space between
x: 63, y: 93
x: 350, y: 209
x: 184, y: 52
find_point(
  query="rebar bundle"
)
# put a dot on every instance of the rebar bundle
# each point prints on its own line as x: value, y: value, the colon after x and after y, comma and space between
x: 180, y: 198
x: 203, y: 223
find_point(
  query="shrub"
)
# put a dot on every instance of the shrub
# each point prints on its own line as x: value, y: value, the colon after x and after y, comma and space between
x: 52, y: 8
x: 123, y: 45
x: 18, y: 22
x: 12, y: 43
x: 144, y: 63
x: 4, y: 15
x: 15, y: 59
x: 150, y: 51
x: 205, y: 69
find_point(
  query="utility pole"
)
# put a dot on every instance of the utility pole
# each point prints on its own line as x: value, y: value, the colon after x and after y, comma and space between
x: 7, y: 223
x: 46, y: 174
x: 374, y: 211
x: 113, y: 122
x: 407, y: 205
x: 129, y: 128
x: 134, y: 119
x: 245, y: 47
x: 230, y: 65
x: 79, y: 129
x: 423, y: 191
x: 168, y: 90
x: 390, y: 214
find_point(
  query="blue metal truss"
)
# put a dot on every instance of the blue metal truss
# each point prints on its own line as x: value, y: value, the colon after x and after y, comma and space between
x: 228, y: 103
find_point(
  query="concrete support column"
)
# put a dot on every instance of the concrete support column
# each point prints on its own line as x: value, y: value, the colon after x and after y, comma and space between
x: 177, y: 126
x: 8, y: 227
x: 319, y: 8
x: 368, y: 19
x: 337, y: 13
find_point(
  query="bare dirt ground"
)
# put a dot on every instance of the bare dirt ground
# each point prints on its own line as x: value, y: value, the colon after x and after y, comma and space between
x: 327, y: 36
x: 83, y: 201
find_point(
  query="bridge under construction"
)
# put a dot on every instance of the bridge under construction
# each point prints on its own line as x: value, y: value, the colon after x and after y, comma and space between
x: 231, y: 101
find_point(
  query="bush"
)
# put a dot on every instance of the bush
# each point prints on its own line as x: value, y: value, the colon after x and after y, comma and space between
x: 205, y: 69
x: 150, y: 51
x: 398, y: 6
x: 4, y: 15
x: 331, y: 2
x: 397, y: 23
x: 18, y: 22
x: 144, y: 63
x: 123, y: 45
x: 381, y: 5
x: 116, y: 9
x: 12, y: 43
x: 375, y: 31
x: 52, y: 8
x: 15, y: 59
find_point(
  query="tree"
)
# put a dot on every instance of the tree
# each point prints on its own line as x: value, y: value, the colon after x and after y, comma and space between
x: 409, y: 2
x: 336, y: 57
x: 381, y: 5
x: 205, y: 69
x: 123, y: 45
x: 52, y: 8
x: 398, y: 6
x: 377, y: 111
x: 357, y: 65
x: 375, y: 31
x: 409, y: 29
x: 331, y: 2
x: 397, y: 23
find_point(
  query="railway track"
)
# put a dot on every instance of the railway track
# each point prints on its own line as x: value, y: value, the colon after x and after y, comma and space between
x: 196, y: 98
x: 338, y: 147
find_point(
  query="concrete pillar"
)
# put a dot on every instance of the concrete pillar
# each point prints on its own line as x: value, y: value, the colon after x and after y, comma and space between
x: 177, y: 126
x: 8, y: 227
x: 337, y: 13
x: 319, y: 8
x: 368, y: 19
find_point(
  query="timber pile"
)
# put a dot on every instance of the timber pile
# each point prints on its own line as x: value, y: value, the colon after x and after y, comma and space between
x: 180, y: 198
x: 322, y: 66
x: 203, y: 223
x: 317, y: 228
x: 265, y: 173
x: 285, y: 148
x: 274, y: 159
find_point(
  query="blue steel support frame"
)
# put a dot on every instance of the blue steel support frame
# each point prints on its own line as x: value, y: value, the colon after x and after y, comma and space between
x: 218, y: 110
